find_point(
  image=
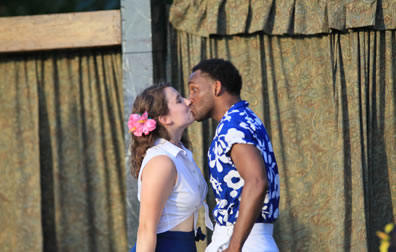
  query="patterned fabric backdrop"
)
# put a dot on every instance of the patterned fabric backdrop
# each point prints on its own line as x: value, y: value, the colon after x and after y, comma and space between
x: 279, y: 17
x: 328, y: 103
x: 61, y: 152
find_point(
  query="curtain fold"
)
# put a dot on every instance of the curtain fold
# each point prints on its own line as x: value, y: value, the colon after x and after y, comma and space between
x: 20, y: 197
x: 280, y: 17
x: 79, y: 190
x: 328, y: 103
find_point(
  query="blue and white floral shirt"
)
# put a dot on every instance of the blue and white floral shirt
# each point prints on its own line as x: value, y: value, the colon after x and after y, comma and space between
x: 240, y: 125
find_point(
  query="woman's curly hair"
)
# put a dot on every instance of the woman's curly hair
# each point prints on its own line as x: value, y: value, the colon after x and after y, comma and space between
x: 152, y: 100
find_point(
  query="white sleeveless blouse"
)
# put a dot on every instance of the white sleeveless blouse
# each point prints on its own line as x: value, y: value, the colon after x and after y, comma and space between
x: 189, y: 192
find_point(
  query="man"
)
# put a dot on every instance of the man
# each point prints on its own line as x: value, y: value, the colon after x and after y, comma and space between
x: 243, y: 171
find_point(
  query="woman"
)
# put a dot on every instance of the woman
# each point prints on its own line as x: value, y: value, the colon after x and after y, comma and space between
x: 171, y: 187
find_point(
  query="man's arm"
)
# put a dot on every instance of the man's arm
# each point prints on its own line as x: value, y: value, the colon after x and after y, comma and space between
x: 250, y: 165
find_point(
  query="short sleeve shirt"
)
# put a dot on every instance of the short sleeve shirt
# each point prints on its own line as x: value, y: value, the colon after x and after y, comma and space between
x: 240, y: 125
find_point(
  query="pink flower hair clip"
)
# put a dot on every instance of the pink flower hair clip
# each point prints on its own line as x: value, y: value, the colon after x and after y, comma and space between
x: 141, y: 124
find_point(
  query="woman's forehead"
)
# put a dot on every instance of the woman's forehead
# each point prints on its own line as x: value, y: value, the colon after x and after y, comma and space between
x: 171, y: 92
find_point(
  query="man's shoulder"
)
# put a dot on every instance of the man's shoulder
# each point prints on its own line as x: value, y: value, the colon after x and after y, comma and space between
x: 231, y: 123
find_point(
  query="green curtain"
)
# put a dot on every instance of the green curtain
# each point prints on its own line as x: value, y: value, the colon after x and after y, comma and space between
x: 62, y: 151
x: 329, y: 104
x: 279, y: 17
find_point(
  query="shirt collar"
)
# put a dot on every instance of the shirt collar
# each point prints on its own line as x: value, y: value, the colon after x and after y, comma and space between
x: 170, y: 147
x: 238, y: 105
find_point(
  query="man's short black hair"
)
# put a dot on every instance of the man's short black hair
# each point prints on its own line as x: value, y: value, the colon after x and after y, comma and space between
x: 224, y: 71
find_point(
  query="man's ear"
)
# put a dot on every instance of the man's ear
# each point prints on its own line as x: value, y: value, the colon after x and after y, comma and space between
x: 164, y: 120
x: 218, y: 88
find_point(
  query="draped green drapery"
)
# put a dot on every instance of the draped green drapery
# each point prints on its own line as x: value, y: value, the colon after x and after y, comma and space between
x: 279, y: 17
x: 328, y: 102
x: 61, y: 151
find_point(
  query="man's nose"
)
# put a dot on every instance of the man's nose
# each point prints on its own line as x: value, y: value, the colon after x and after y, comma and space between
x: 187, y: 101
x: 190, y: 97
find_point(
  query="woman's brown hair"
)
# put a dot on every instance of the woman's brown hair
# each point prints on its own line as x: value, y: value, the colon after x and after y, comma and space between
x: 152, y: 100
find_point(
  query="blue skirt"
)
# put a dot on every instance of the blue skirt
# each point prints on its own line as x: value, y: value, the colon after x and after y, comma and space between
x: 174, y: 241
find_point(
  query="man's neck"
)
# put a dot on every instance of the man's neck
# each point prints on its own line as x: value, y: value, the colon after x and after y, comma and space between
x: 223, y: 104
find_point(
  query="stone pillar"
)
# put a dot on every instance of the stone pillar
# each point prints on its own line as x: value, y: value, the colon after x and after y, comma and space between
x: 137, y: 74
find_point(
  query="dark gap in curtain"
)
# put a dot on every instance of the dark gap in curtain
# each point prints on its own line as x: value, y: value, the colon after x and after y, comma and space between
x: 347, y: 218
x: 334, y: 44
x: 364, y: 110
x: 204, y: 51
x: 175, y: 62
x: 46, y: 172
x: 248, y: 19
x: 371, y: 121
x: 290, y: 29
x: 265, y: 90
x: 270, y: 20
x: 222, y: 20
x: 365, y: 113
x: 160, y: 43
x: 379, y: 16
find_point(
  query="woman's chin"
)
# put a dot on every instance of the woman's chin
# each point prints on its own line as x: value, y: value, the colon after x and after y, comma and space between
x: 191, y: 122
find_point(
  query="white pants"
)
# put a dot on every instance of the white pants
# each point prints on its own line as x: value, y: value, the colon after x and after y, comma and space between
x: 259, y: 240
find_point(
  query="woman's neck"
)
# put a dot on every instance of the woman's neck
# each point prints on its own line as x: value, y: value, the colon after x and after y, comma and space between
x: 175, y: 143
x: 175, y: 137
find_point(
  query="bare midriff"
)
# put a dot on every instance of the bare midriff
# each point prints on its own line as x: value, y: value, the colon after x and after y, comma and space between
x: 185, y: 226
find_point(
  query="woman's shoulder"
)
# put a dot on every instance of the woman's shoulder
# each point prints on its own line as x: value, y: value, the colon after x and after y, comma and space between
x: 160, y: 160
x: 156, y: 150
x: 155, y: 155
